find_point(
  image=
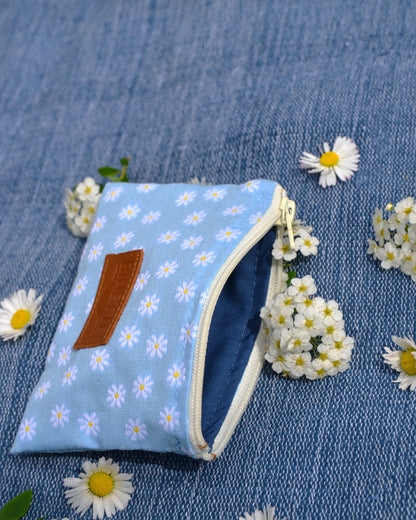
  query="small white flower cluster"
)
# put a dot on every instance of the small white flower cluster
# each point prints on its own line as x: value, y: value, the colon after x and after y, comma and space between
x: 81, y: 205
x: 304, y: 242
x: 304, y: 335
x: 395, y: 244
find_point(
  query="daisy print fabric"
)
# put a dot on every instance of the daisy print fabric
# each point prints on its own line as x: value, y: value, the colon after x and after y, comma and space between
x: 133, y: 392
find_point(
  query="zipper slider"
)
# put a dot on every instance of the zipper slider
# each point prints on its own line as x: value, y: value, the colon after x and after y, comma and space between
x: 287, y: 216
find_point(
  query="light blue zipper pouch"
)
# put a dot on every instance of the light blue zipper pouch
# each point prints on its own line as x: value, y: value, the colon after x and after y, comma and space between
x: 181, y: 358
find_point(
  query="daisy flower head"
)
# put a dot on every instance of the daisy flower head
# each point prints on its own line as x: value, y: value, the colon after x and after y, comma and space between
x: 27, y: 429
x: 136, y: 430
x: 59, y: 415
x: 101, y: 486
x: 268, y: 513
x: 169, y: 418
x: 18, y: 312
x: 341, y: 161
x: 403, y: 361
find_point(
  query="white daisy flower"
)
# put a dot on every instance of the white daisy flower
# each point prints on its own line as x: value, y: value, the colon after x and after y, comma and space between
x: 202, y: 181
x: 136, y: 430
x: 146, y: 188
x: 255, y: 217
x: 101, y: 486
x: 64, y: 356
x: 99, y: 359
x: 152, y: 216
x: 318, y: 304
x: 185, y: 291
x: 234, y: 210
x: 337, y: 349
x: 113, y: 194
x: 87, y: 189
x: 406, y: 210
x: 191, y: 242
x: 341, y: 161
x: 116, y: 395
x: 306, y: 244
x: 168, y: 237
x: 169, y: 418
x: 250, y: 186
x: 215, y: 194
x: 195, y: 218
x: 142, y: 387
x: 129, y: 336
x: 50, y: 353
x: 129, y: 212
x: 282, y: 250
x: 42, y: 390
x: 296, y: 339
x: 59, y: 415
x: 89, y: 424
x: 167, y: 269
x: 227, y: 234
x: 176, y: 375
x: 80, y: 286
x: 65, y: 322
x: 266, y: 514
x: 204, y: 258
x: 70, y: 376
x: 142, y: 280
x: 17, y: 313
x: 185, y: 198
x: 156, y: 345
x: 99, y: 223
x: 403, y: 361
x: 331, y: 313
x: 148, y: 305
x: 188, y: 333
x: 27, y: 429
x: 389, y: 255
x: 300, y: 288
x: 123, y: 239
x: 95, y: 252
x: 310, y: 320
x: 84, y: 220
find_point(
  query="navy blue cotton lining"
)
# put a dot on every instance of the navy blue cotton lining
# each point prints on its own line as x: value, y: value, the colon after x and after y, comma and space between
x: 234, y: 328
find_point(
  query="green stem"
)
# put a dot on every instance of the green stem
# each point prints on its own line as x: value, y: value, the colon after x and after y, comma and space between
x: 124, y: 171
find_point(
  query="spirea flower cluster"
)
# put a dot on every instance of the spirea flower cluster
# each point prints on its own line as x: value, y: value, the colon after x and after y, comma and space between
x: 81, y: 205
x: 305, y: 243
x: 395, y: 243
x: 304, y: 335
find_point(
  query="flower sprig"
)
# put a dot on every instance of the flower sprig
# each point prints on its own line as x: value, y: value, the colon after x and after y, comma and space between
x: 305, y: 243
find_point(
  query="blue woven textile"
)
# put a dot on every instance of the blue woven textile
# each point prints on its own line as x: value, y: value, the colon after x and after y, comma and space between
x: 231, y: 91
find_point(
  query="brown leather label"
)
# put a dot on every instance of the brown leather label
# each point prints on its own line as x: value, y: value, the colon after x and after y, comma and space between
x: 117, y: 280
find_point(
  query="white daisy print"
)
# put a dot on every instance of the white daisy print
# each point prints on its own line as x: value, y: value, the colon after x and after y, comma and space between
x: 168, y: 237
x: 70, y: 376
x: 185, y: 198
x: 146, y: 188
x: 116, y: 395
x: 188, y: 333
x: 27, y: 429
x: 59, y: 416
x: 255, y: 217
x: 95, y: 252
x: 89, y: 424
x: 80, y: 286
x: 176, y: 375
x: 129, y: 212
x: 99, y: 359
x: 167, y: 269
x: 113, y: 194
x: 89, y: 307
x: 234, y: 210
x: 142, y: 387
x: 227, y: 234
x: 64, y: 356
x: 148, y: 305
x: 51, y: 353
x: 65, y: 322
x: 152, y: 216
x: 42, y: 390
x: 169, y: 418
x: 156, y: 346
x: 142, y: 280
x: 185, y: 291
x: 129, y: 336
x: 136, y: 430
x: 215, y: 194
x: 99, y: 223
x: 195, y: 218
x: 203, y: 298
x: 191, y: 242
x: 204, y: 258
x: 250, y: 186
x: 123, y: 239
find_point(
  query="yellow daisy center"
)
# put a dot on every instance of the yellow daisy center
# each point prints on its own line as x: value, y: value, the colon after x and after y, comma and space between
x: 128, y: 336
x: 88, y: 189
x: 156, y: 346
x: 20, y: 318
x: 308, y: 323
x: 141, y: 387
x: 59, y: 415
x: 101, y: 484
x: 408, y: 363
x: 168, y: 418
x: 308, y: 243
x: 136, y: 429
x: 302, y: 288
x: 176, y: 374
x: 27, y: 428
x: 299, y: 361
x: 329, y: 159
x: 116, y: 395
x: 390, y: 256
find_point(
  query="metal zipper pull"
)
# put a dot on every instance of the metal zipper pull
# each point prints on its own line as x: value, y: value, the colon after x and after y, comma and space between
x: 287, y: 216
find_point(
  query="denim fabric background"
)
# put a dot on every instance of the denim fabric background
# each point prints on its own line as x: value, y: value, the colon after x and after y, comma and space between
x: 232, y: 91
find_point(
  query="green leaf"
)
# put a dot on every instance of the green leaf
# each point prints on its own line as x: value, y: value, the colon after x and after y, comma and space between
x: 41, y: 518
x: 107, y: 171
x: 291, y: 275
x: 124, y: 161
x: 17, y: 506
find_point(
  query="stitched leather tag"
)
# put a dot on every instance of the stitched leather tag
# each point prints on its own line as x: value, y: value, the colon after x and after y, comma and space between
x: 117, y: 280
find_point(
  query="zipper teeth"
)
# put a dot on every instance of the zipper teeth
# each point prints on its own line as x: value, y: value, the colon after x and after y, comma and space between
x: 197, y: 440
